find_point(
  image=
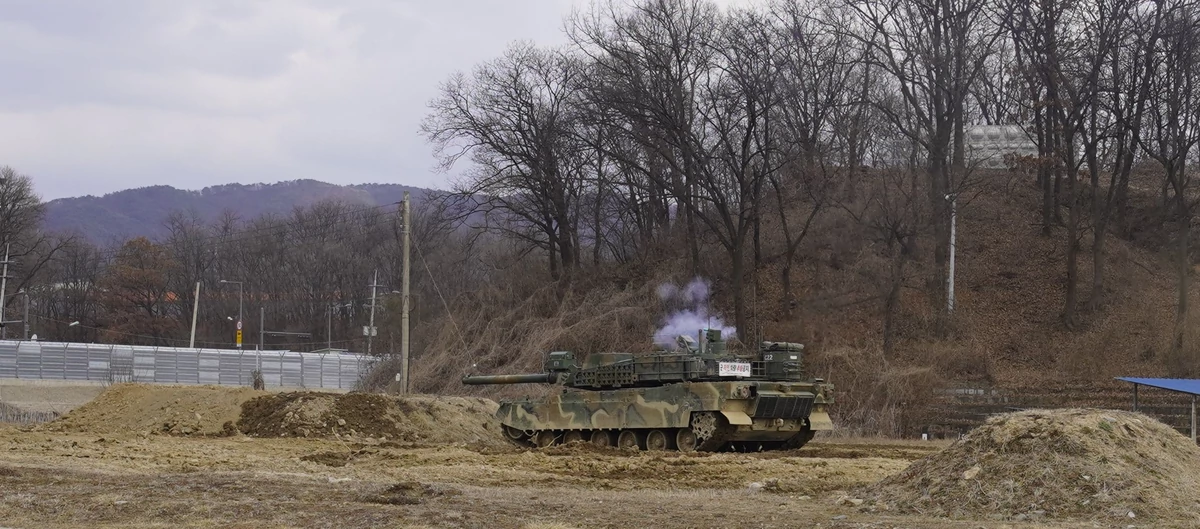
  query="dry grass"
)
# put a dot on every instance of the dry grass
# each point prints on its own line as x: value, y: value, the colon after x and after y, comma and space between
x: 504, y: 331
x: 1101, y: 464
x: 13, y: 414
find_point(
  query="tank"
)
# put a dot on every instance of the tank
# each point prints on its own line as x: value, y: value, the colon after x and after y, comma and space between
x: 699, y: 396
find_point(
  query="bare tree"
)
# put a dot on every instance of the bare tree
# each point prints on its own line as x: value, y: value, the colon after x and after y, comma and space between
x: 1174, y: 128
x: 933, y: 52
x: 512, y: 117
x: 650, y: 61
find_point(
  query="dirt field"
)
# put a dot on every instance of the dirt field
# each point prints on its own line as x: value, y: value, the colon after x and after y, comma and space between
x: 63, y: 477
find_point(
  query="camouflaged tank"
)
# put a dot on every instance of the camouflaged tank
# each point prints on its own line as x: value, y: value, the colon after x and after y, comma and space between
x: 698, y: 397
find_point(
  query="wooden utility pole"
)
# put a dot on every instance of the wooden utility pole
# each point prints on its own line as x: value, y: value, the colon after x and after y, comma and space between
x: 3, y: 287
x: 404, y: 294
x: 370, y: 330
x: 195, y: 311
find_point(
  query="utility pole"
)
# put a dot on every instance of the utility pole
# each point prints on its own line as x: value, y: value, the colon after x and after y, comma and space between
x: 195, y: 311
x: 371, y: 326
x: 262, y: 318
x: 953, y: 198
x: 404, y: 294
x: 26, y: 320
x: 239, y: 320
x: 3, y: 287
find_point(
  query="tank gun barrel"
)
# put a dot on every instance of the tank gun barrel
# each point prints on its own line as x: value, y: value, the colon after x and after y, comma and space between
x: 530, y: 378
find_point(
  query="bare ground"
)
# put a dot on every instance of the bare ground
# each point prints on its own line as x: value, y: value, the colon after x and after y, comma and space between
x: 72, y: 479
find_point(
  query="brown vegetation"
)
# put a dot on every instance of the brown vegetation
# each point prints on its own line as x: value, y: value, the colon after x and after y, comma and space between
x: 1103, y: 464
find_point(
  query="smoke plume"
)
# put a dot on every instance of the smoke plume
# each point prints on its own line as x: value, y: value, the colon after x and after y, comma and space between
x: 688, y: 312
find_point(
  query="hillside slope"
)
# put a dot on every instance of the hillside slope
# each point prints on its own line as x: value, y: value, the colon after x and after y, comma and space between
x: 1006, y: 332
x: 141, y: 212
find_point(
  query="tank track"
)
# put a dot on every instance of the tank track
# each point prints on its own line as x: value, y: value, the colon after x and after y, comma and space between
x: 711, y: 429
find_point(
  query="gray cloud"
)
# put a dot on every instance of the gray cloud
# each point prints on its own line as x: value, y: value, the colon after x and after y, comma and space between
x: 101, y: 96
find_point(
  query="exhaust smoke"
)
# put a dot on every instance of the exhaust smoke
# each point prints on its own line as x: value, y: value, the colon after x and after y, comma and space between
x: 688, y: 312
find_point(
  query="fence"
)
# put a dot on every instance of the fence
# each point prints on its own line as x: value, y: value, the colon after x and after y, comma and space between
x: 177, y: 365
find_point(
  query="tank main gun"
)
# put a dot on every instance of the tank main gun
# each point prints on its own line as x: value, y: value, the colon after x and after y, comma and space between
x: 560, y: 365
x: 526, y: 378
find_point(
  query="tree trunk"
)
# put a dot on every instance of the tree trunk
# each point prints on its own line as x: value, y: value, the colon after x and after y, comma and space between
x: 693, y: 239
x: 555, y: 273
x: 1099, y: 227
x: 1184, y: 267
x: 1184, y: 258
x: 893, y: 301
x: 941, y: 232
x: 785, y: 277
x: 1069, y: 309
x: 739, y: 298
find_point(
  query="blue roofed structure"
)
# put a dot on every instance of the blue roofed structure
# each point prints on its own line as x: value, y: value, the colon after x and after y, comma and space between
x: 1190, y: 386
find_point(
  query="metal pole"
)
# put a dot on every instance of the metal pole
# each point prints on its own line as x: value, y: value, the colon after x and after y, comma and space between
x: 195, y: 311
x: 262, y: 318
x: 950, y: 280
x: 1193, y: 418
x: 26, y: 320
x: 329, y: 327
x: 3, y: 287
x: 371, y: 325
x: 239, y: 328
x: 404, y: 310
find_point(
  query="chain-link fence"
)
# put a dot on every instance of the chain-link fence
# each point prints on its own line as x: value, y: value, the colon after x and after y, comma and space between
x: 178, y: 365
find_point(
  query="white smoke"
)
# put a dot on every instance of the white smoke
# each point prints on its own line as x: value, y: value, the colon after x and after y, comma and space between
x: 688, y: 312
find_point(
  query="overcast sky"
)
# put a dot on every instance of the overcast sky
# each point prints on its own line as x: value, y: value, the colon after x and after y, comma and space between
x: 98, y: 96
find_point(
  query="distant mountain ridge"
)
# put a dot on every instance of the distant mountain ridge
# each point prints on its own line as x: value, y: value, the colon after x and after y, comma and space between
x: 143, y: 211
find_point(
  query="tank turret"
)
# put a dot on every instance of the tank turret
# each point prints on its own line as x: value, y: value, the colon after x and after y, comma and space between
x: 700, y: 396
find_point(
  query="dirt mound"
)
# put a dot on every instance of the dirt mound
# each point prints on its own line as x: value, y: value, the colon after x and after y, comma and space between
x: 177, y: 410
x: 1054, y: 464
x: 421, y: 419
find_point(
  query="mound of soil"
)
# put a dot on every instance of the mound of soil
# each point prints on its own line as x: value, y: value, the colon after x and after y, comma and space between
x: 1053, y: 464
x: 421, y: 419
x: 143, y: 408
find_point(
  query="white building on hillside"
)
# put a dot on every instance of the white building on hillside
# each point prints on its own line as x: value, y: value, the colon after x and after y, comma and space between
x: 989, y: 145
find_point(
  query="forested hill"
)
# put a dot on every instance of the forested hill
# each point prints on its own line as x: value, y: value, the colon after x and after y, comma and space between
x: 142, y: 211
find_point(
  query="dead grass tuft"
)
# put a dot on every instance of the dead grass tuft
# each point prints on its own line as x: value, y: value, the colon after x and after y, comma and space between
x: 410, y: 493
x: 1055, y: 464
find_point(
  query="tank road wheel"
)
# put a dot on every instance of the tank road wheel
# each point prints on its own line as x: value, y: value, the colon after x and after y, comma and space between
x: 627, y: 439
x: 711, y: 430
x: 601, y: 439
x: 656, y: 440
x: 545, y: 438
x: 517, y: 437
x: 704, y: 424
x: 573, y: 436
x: 685, y: 440
x: 800, y: 439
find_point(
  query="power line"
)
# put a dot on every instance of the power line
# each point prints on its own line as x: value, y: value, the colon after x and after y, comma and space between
x: 438, y: 289
x: 179, y: 340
